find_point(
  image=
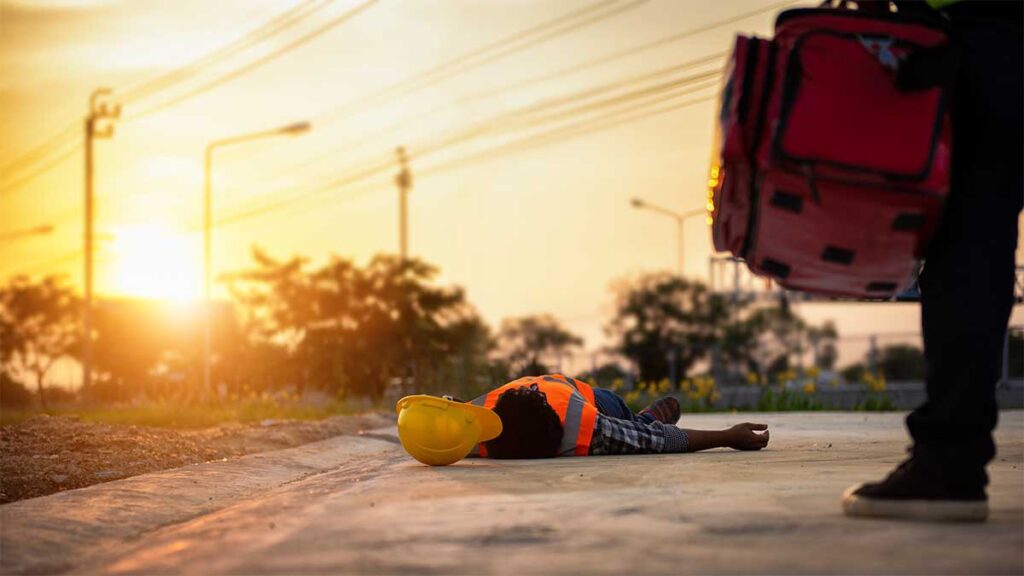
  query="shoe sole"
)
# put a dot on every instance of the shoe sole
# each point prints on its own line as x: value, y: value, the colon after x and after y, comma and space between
x: 924, y: 510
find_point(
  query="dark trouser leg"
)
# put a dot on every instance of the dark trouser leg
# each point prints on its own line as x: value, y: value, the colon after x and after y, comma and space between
x: 611, y: 404
x: 967, y: 285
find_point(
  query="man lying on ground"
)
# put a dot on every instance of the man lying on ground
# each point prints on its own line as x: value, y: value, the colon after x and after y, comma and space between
x: 554, y: 415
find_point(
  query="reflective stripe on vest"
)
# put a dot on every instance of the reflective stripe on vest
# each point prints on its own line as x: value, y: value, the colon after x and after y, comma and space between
x: 571, y: 399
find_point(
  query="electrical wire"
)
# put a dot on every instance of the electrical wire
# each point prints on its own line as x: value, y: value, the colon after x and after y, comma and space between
x: 44, y: 168
x: 439, y: 74
x: 379, y: 134
x: 265, y: 31
x: 488, y: 127
x: 148, y: 88
x: 482, y: 55
x: 563, y: 134
x: 262, y: 61
x: 374, y: 98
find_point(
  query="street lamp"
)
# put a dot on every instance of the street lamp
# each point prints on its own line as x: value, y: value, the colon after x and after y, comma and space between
x: 289, y: 130
x: 680, y: 219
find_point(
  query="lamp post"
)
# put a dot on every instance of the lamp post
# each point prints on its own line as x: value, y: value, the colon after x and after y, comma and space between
x: 680, y: 219
x: 289, y: 130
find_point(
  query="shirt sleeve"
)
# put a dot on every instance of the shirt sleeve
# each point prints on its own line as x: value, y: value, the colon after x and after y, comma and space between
x: 617, y: 436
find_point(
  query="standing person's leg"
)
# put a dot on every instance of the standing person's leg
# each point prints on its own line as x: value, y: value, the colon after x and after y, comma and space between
x: 967, y: 285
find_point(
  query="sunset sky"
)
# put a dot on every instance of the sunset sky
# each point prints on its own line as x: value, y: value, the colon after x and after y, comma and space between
x: 540, y: 226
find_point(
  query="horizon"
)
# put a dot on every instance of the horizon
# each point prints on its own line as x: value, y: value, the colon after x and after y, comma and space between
x: 527, y: 222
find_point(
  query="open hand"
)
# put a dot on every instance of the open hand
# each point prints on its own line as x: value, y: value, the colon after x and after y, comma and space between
x: 743, y: 436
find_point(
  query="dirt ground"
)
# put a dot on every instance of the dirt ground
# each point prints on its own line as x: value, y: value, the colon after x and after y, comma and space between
x: 48, y: 454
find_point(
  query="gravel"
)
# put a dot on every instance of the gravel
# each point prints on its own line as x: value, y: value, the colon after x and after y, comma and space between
x: 47, y: 454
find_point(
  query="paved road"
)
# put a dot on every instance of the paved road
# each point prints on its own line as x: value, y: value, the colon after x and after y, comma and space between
x: 359, y: 505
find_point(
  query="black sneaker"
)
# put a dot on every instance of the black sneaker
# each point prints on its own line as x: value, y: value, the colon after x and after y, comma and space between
x: 916, y: 492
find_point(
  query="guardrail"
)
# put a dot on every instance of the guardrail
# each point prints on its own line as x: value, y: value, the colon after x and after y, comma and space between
x: 900, y: 395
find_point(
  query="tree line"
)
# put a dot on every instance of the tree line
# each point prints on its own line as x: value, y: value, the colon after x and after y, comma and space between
x: 386, y: 326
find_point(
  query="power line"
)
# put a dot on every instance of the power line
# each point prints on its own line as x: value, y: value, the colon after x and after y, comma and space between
x: 381, y: 168
x: 268, y: 29
x: 266, y: 59
x: 409, y: 85
x: 504, y: 121
x: 39, y: 151
x: 485, y: 54
x: 612, y: 120
x: 487, y: 127
x: 464, y: 62
x: 621, y: 54
x: 148, y: 88
x: 44, y: 168
x: 377, y: 135
x: 550, y: 27
x: 554, y: 136
x: 563, y: 133
x: 481, y: 129
x: 376, y: 169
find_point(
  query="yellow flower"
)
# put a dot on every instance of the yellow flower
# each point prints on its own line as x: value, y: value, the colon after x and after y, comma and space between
x: 753, y: 378
x: 809, y: 388
x: 875, y: 383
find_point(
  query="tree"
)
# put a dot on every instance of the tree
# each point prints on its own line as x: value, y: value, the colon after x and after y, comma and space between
x: 38, y: 327
x: 823, y: 344
x: 526, y: 341
x: 657, y: 315
x: 901, y: 362
x: 352, y: 329
x: 13, y: 394
x: 604, y: 375
x: 854, y: 373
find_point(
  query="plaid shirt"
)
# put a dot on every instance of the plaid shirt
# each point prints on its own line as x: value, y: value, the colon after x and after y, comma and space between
x: 617, y: 436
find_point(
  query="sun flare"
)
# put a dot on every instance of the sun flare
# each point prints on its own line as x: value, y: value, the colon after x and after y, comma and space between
x: 155, y: 262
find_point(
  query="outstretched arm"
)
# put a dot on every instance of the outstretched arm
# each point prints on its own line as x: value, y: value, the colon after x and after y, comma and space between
x: 741, y: 437
x: 617, y: 436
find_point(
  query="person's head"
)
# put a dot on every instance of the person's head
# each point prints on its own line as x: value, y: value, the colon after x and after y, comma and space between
x: 530, y: 426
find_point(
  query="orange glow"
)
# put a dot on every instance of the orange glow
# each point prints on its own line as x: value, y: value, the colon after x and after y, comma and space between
x: 154, y: 262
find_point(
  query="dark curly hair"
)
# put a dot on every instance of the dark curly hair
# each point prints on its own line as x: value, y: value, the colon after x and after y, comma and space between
x: 530, y: 426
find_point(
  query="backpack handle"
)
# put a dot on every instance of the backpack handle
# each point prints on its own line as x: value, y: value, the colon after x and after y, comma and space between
x: 863, y: 6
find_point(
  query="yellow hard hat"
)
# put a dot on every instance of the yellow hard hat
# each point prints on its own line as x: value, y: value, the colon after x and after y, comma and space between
x: 438, y: 431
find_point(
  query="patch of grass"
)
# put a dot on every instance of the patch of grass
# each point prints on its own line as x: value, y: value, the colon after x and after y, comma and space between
x: 175, y: 415
x: 786, y: 401
x: 875, y: 403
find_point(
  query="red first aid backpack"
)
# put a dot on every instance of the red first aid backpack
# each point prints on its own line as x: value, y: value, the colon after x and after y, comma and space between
x: 831, y: 168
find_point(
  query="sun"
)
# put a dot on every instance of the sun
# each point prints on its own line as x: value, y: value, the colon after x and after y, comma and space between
x: 154, y: 262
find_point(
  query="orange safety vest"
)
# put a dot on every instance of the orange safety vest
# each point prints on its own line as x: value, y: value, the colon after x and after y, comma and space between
x: 571, y: 399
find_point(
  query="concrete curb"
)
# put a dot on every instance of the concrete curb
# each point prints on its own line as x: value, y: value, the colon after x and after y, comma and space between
x: 57, y: 533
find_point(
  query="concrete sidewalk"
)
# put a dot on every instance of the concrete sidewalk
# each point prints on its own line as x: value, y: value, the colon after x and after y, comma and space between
x: 775, y: 511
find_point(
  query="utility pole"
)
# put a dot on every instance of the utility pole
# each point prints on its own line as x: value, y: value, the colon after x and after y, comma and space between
x: 404, y: 181
x: 98, y: 124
